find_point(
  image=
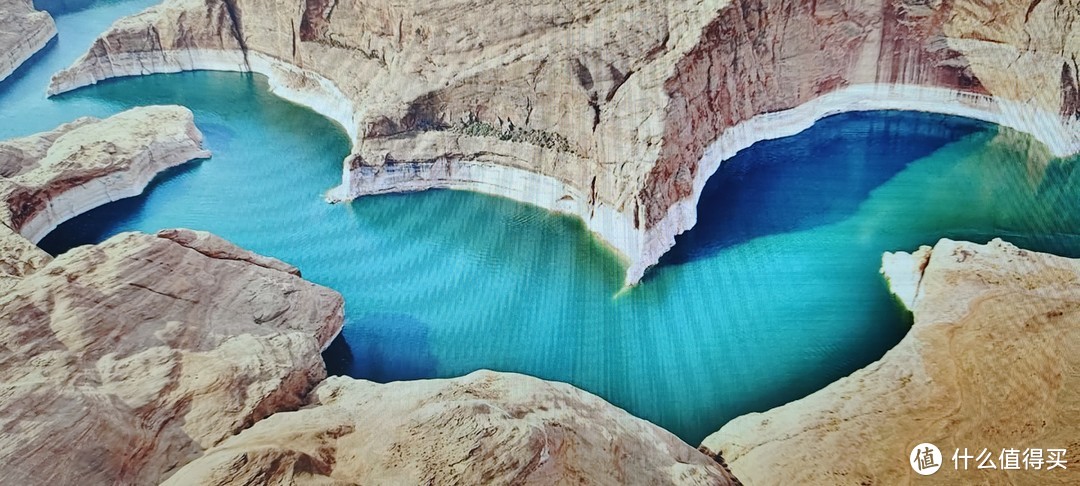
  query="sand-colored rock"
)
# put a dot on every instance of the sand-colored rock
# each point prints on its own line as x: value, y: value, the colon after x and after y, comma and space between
x: 484, y: 428
x: 23, y: 32
x: 123, y: 361
x: 991, y: 362
x: 48, y: 178
x: 18, y: 258
x: 616, y: 111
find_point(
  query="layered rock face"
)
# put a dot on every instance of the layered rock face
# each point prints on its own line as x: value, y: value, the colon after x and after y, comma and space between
x: 123, y: 361
x: 484, y: 428
x: 47, y: 178
x: 990, y: 363
x: 616, y: 111
x: 23, y: 32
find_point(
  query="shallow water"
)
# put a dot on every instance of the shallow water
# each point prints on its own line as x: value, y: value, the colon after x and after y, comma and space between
x: 774, y: 295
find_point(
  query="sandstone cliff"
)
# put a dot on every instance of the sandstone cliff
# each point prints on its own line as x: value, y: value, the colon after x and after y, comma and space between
x: 23, y: 32
x: 47, y: 178
x: 484, y: 428
x: 616, y: 111
x: 125, y: 360
x: 991, y: 362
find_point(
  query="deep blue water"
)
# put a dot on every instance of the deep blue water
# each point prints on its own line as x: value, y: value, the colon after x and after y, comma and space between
x: 774, y: 295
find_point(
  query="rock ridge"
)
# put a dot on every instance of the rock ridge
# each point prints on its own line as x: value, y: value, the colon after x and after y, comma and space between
x: 989, y: 363
x: 131, y: 361
x: 629, y: 120
x: 23, y: 32
x: 127, y: 375
x: 48, y: 178
x: 491, y: 428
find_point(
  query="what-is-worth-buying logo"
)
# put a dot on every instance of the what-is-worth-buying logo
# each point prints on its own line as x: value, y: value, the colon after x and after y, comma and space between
x: 926, y: 459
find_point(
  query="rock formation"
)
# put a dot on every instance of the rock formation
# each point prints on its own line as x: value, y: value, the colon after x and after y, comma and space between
x: 484, y: 428
x: 991, y: 362
x: 615, y: 111
x: 132, y: 358
x: 47, y: 178
x: 18, y: 258
x: 23, y: 32
x: 123, y: 361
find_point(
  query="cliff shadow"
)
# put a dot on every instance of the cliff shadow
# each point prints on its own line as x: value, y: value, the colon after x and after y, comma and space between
x: 382, y: 348
x: 817, y: 177
x: 102, y: 222
x: 28, y: 65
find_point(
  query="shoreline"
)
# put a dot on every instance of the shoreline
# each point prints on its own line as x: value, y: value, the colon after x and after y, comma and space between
x: 113, y: 177
x: 31, y: 44
x: 1062, y: 139
x: 100, y: 191
x: 640, y: 248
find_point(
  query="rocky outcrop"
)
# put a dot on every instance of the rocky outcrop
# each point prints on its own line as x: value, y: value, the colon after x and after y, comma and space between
x: 484, y: 428
x: 123, y: 361
x: 23, y: 32
x: 990, y: 363
x: 180, y: 357
x: 583, y: 107
x: 48, y: 178
x: 18, y: 258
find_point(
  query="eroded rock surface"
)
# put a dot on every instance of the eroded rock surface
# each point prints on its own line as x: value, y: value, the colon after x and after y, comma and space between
x: 18, y: 258
x: 484, y: 428
x: 616, y: 111
x: 23, y: 32
x: 123, y: 361
x: 991, y: 362
x: 50, y: 177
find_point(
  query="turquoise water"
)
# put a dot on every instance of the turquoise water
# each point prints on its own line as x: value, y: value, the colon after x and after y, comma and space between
x: 774, y: 295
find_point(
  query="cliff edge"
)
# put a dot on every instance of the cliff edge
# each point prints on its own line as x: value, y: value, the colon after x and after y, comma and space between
x: 50, y: 177
x: 615, y: 111
x: 145, y: 358
x: 23, y: 32
x: 125, y: 360
x: 484, y: 428
x: 990, y: 363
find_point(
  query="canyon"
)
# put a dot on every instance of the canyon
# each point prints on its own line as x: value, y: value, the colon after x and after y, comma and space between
x: 140, y: 359
x: 199, y: 360
x: 589, y: 111
x: 47, y: 178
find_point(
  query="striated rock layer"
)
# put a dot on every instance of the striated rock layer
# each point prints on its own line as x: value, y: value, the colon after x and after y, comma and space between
x: 48, y: 178
x: 23, y: 32
x: 484, y: 428
x: 991, y: 362
x: 123, y: 361
x: 616, y: 111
